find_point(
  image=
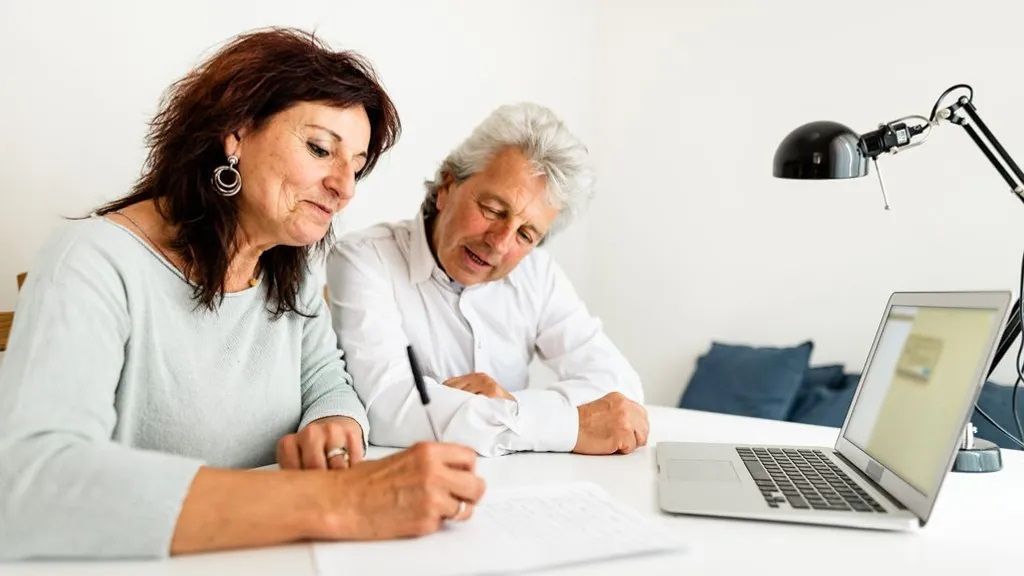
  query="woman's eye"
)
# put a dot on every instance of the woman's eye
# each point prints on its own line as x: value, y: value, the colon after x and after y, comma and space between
x: 317, y: 150
x: 525, y: 236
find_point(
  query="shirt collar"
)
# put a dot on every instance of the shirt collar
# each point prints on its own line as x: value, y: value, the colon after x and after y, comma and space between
x: 423, y: 265
x: 421, y: 260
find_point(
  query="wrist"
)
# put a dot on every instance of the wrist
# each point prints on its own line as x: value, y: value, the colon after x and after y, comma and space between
x: 581, y: 423
x: 546, y: 421
x: 324, y: 516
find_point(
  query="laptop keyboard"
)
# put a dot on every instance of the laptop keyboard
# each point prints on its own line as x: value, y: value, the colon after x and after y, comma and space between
x: 805, y: 479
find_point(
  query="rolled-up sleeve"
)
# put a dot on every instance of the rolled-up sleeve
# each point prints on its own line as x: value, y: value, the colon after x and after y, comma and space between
x: 67, y: 490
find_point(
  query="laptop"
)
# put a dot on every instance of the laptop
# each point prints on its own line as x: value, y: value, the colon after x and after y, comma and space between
x: 917, y: 391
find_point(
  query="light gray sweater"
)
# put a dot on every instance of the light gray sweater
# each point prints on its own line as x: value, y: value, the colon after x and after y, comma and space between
x: 115, y: 388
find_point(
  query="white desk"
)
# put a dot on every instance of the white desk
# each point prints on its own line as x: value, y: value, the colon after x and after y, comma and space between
x: 974, y: 513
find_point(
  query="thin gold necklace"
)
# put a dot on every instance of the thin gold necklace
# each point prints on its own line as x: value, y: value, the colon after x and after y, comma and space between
x: 252, y: 281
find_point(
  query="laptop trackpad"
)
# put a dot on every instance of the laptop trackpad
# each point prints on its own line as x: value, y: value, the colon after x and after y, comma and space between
x: 701, y: 471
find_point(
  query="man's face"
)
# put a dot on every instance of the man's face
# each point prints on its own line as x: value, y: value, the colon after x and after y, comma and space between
x: 489, y: 222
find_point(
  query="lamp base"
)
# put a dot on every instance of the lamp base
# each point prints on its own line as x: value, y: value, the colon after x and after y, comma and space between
x: 984, y: 456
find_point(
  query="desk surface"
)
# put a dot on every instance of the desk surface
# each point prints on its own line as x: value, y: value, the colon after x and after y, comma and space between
x: 975, y: 513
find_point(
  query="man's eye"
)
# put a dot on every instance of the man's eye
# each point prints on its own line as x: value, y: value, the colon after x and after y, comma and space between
x: 317, y: 150
x: 490, y: 212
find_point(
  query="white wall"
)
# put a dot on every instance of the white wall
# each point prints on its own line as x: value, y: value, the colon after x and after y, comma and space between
x: 693, y: 240
x: 81, y: 79
x: 682, y: 103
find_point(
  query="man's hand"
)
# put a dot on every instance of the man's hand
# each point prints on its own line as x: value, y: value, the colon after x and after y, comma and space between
x: 610, y: 424
x: 479, y: 383
x: 334, y: 442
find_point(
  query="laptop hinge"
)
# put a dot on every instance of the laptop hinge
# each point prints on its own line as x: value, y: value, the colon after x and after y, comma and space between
x: 874, y: 470
x: 870, y: 480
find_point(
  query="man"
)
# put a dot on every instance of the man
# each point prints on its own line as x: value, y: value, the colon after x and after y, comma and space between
x: 464, y: 284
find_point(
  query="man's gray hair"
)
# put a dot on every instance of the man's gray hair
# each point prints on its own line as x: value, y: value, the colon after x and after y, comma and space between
x: 547, y: 144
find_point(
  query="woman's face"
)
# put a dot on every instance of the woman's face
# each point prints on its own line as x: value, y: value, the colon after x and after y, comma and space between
x: 298, y: 169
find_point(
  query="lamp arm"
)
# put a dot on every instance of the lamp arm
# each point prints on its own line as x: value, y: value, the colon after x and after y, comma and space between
x: 989, y: 145
x: 997, y: 156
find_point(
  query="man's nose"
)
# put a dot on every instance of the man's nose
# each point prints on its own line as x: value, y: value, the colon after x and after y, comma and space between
x: 500, y: 237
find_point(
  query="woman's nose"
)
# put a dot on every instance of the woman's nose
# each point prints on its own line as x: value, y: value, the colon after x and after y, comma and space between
x: 342, y: 180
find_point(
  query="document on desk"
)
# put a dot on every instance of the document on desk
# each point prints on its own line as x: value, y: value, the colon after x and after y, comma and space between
x: 512, y: 530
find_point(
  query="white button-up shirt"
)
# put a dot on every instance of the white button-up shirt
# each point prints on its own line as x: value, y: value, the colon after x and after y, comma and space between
x: 387, y: 291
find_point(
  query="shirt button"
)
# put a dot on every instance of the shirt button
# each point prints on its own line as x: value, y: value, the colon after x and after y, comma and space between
x: 479, y: 345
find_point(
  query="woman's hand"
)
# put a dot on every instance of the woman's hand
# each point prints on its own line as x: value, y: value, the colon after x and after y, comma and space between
x: 407, y: 494
x: 334, y: 442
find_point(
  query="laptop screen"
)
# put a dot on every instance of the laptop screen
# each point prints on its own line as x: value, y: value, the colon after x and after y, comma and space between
x: 914, y: 394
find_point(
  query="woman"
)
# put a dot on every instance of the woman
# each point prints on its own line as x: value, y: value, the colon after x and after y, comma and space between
x: 172, y: 337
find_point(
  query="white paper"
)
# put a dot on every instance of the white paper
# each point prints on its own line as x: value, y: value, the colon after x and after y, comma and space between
x: 512, y: 530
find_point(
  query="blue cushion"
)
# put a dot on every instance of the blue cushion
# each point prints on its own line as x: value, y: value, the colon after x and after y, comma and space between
x: 995, y: 401
x: 827, y: 406
x: 760, y: 382
x: 816, y: 377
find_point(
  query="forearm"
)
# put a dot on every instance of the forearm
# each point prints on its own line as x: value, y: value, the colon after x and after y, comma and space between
x: 399, y: 420
x: 326, y: 385
x: 586, y: 385
x: 243, y: 509
x: 64, y: 498
x: 539, y: 420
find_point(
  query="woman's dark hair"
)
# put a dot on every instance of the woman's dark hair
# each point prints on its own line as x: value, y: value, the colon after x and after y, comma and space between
x: 253, y: 77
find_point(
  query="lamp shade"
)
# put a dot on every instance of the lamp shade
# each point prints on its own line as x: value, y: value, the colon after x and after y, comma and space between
x: 820, y: 151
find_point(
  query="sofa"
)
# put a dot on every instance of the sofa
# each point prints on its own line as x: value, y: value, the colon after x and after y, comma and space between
x: 779, y: 383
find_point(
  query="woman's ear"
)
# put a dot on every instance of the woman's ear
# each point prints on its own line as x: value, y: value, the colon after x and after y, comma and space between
x: 233, y: 142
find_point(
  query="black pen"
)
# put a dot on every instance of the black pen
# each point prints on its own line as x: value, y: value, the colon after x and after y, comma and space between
x: 421, y: 387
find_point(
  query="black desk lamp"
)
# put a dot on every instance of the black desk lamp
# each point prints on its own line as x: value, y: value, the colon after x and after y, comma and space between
x: 829, y: 150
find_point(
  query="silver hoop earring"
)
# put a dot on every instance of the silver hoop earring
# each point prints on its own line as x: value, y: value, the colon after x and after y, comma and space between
x: 232, y: 183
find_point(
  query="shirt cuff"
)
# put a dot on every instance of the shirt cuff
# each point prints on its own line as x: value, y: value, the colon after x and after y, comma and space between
x: 546, y: 421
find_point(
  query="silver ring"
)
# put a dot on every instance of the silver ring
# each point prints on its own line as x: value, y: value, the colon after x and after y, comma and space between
x: 338, y: 451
